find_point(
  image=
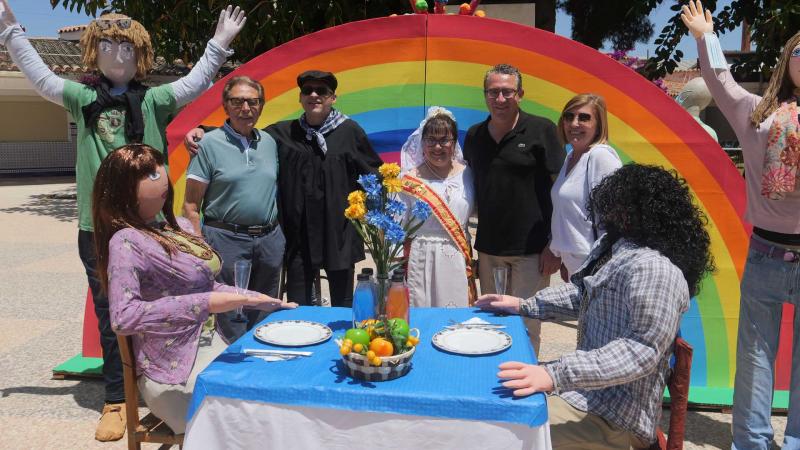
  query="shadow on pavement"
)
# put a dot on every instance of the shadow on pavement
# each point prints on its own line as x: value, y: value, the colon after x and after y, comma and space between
x: 88, y: 394
x: 702, y: 430
x: 60, y: 205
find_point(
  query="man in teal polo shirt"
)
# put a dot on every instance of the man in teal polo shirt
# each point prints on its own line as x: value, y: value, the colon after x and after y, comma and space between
x: 232, y: 180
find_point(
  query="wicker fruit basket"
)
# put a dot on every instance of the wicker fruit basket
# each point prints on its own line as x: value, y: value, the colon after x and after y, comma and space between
x: 391, y: 366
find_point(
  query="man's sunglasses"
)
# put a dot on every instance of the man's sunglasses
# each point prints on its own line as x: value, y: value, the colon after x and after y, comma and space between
x: 322, y: 91
x: 238, y: 102
x: 582, y: 117
x: 122, y: 24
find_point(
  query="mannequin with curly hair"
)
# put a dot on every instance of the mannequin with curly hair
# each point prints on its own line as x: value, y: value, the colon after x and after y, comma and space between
x: 628, y: 299
x: 769, y: 133
x: 115, y: 110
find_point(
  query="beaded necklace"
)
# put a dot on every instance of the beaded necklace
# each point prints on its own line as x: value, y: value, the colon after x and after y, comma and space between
x: 200, y: 249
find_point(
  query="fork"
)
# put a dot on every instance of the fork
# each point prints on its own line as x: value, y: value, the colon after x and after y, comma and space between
x: 455, y: 324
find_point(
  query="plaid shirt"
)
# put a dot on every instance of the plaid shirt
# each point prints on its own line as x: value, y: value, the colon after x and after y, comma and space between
x: 620, y: 368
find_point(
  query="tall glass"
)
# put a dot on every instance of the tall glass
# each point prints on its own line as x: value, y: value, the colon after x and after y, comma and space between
x: 241, y: 279
x: 500, y: 280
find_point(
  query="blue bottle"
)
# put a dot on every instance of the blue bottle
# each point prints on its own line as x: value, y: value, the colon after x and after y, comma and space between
x: 369, y: 272
x: 363, y: 300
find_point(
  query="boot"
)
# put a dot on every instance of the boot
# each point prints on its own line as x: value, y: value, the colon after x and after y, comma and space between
x: 112, y: 423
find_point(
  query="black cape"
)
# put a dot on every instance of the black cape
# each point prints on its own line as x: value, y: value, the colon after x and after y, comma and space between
x: 313, y: 189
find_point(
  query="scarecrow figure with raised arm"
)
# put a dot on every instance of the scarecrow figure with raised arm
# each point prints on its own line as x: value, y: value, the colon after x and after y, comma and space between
x: 115, y: 110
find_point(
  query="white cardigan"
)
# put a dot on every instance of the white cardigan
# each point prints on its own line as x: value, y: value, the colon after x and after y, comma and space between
x: 571, y: 227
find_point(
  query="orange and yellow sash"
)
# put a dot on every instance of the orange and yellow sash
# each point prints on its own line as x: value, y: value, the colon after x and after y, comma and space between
x: 421, y: 191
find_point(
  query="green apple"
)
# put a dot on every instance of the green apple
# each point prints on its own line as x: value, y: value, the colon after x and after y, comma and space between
x: 358, y: 336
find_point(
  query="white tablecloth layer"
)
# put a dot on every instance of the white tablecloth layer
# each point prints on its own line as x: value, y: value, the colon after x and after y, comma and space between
x: 225, y: 423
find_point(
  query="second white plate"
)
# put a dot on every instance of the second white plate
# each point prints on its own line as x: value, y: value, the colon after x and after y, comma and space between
x: 293, y: 333
x: 472, y: 341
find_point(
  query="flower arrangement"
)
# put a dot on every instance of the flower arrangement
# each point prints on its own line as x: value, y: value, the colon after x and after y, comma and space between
x: 380, y: 349
x: 380, y: 217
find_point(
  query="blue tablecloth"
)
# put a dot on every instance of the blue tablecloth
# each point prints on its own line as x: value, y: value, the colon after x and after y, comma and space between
x: 439, y: 384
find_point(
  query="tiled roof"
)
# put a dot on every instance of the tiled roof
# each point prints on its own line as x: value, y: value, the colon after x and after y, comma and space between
x: 61, y: 56
x: 64, y: 57
x: 687, y: 69
x: 72, y: 28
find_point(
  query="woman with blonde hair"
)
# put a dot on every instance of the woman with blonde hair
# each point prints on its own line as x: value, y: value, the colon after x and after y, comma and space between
x: 769, y: 134
x: 159, y: 278
x: 583, y: 129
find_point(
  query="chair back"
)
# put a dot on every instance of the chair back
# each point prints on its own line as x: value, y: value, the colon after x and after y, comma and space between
x: 679, y: 393
x: 678, y: 386
x: 131, y: 389
x: 147, y: 429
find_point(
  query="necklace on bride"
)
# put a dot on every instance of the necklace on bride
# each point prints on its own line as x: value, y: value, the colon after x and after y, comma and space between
x: 435, y: 173
x: 447, y: 186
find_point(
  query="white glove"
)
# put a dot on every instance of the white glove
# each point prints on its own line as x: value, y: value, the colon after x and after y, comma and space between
x: 7, y: 20
x: 230, y: 24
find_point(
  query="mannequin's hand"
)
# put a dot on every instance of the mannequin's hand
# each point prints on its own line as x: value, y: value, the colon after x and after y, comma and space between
x: 230, y: 24
x: 503, y: 303
x: 7, y: 18
x: 695, y: 20
x: 192, y: 138
x: 525, y: 379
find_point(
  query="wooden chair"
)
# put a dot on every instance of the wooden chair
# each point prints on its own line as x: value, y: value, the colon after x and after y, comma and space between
x: 678, y: 385
x: 150, y: 428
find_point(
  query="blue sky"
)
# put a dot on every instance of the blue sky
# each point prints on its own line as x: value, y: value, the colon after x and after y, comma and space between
x: 42, y: 21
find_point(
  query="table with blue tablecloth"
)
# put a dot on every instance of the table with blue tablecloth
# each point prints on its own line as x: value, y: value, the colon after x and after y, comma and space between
x: 445, y: 401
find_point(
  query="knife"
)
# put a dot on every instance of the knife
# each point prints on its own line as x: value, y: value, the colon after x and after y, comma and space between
x: 264, y: 351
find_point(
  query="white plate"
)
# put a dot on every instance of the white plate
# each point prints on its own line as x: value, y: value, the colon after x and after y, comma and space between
x: 292, y: 333
x: 472, y: 341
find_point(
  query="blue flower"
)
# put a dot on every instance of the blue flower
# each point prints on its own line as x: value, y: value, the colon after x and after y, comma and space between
x: 370, y: 184
x: 395, y: 233
x: 378, y: 219
x: 395, y: 207
x: 421, y: 210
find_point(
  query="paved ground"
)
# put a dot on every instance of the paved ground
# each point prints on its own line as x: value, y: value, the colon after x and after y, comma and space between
x: 41, y: 312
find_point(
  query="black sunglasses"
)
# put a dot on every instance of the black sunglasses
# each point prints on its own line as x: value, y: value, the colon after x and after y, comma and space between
x: 582, y: 117
x: 322, y: 91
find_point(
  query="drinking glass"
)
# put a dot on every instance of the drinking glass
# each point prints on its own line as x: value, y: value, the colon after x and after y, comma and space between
x: 241, y: 279
x: 500, y: 280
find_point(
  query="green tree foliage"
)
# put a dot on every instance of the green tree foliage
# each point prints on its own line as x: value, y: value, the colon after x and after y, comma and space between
x: 772, y: 23
x: 622, y: 22
x: 181, y: 28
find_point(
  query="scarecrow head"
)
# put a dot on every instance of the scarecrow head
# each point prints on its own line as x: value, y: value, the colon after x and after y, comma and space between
x: 119, y: 47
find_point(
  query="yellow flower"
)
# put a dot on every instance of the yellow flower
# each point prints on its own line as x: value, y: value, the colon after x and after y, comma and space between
x: 357, y: 197
x: 355, y: 211
x: 392, y: 185
x: 389, y: 170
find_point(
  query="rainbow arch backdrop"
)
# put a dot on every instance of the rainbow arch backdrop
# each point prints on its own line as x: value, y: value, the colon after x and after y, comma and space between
x: 391, y: 69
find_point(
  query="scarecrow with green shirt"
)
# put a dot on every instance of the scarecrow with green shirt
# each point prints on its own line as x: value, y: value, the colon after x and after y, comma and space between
x: 115, y: 110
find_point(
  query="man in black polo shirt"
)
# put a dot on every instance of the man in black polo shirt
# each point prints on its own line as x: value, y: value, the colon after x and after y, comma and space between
x: 515, y: 156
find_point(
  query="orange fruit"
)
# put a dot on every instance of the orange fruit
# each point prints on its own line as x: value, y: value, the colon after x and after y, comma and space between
x: 381, y: 347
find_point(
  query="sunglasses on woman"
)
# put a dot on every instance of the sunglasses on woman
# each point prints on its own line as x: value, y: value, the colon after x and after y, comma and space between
x: 582, y: 117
